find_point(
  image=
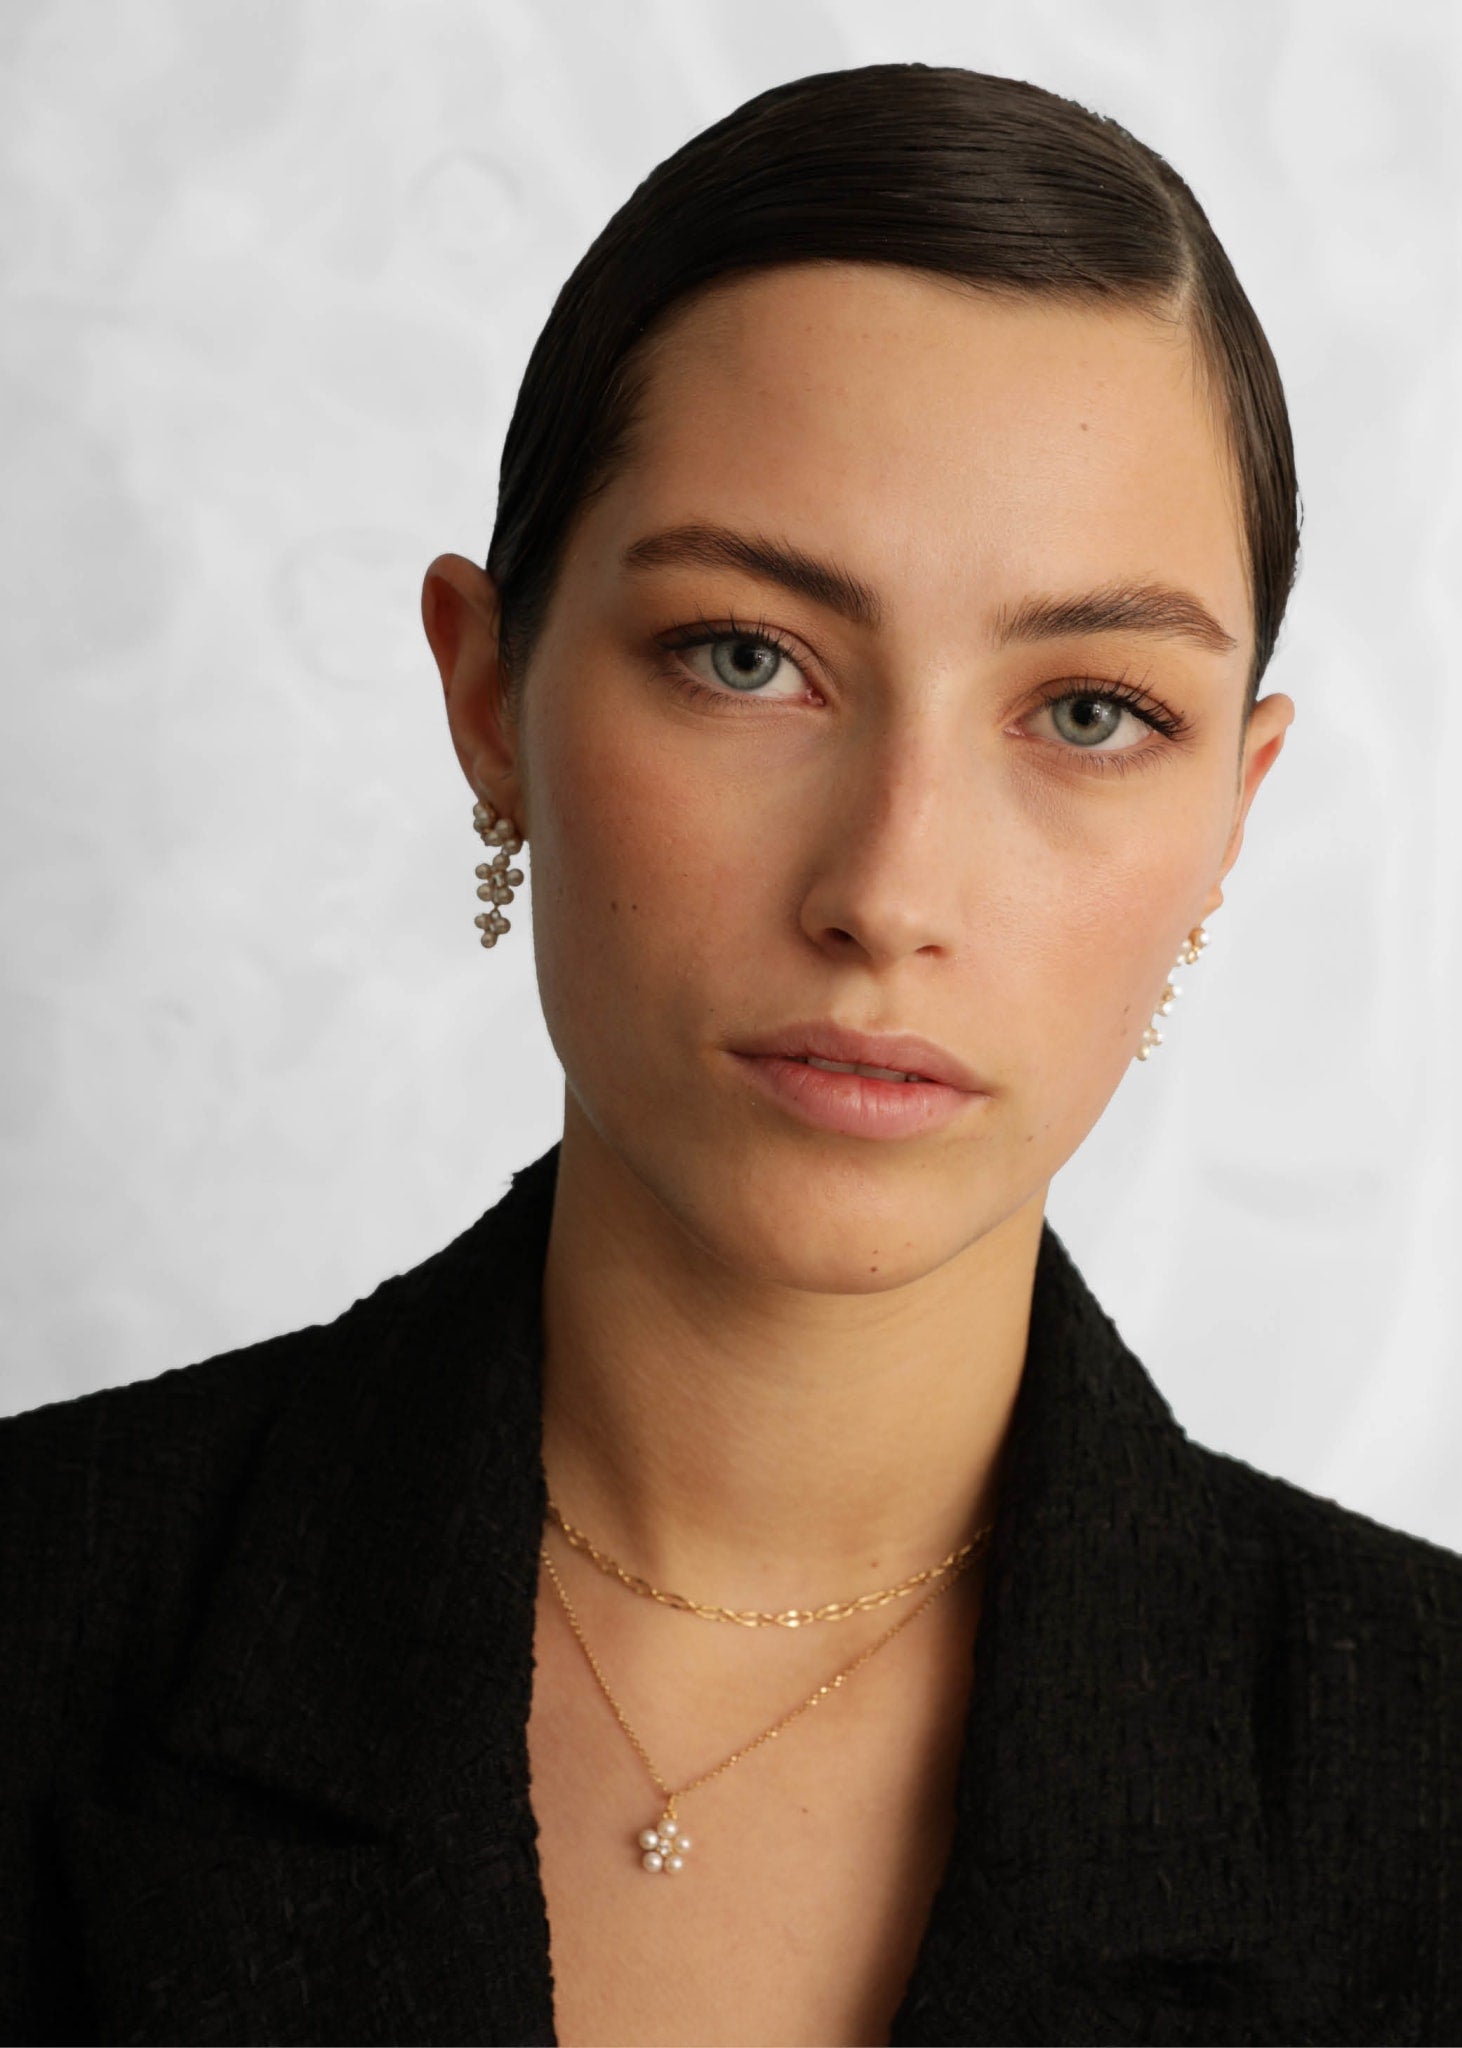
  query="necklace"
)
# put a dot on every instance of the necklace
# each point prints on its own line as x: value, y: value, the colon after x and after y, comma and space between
x: 751, y: 1617
x: 664, y: 1847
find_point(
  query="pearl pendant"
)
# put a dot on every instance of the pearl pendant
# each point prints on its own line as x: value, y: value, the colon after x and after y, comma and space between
x: 664, y: 1848
x: 495, y: 880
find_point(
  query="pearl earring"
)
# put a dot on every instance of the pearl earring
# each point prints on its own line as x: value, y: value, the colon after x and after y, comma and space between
x: 1193, y: 945
x: 495, y: 879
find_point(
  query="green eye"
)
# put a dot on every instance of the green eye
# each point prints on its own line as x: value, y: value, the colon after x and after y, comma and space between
x: 1087, y: 720
x: 744, y: 660
x: 744, y: 663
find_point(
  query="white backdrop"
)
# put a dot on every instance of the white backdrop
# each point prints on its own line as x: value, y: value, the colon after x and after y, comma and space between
x: 271, y: 275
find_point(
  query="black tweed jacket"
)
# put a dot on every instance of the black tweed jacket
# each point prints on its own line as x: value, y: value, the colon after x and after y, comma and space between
x: 265, y: 1667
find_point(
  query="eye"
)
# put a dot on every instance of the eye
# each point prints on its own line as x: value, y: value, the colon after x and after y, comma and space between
x: 1085, y: 720
x: 734, y: 661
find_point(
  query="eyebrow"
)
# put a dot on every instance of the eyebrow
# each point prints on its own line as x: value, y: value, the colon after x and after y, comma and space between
x: 1138, y: 607
x: 1119, y: 607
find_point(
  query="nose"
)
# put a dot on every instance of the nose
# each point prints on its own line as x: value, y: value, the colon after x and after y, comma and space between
x: 900, y: 849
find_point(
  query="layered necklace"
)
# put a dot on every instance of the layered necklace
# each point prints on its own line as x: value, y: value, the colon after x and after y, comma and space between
x: 664, y: 1846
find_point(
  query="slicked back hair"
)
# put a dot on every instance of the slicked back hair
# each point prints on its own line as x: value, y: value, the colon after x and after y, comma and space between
x: 951, y: 172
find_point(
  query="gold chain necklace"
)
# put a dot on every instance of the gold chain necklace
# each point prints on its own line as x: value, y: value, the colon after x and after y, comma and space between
x: 664, y: 1847
x: 751, y: 1617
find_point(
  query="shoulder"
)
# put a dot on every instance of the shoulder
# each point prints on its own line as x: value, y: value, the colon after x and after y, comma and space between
x: 116, y: 1507
x: 1332, y: 1563
x: 1355, y: 1636
x: 109, y: 1505
x: 146, y: 1424
x: 71, y: 1470
x: 75, y: 1473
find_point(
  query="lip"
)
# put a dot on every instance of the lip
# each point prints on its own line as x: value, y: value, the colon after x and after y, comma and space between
x: 859, y: 1105
x: 904, y: 1051
x: 856, y: 1105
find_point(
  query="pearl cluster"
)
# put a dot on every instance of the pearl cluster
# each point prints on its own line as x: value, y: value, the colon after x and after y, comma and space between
x: 665, y: 1847
x: 495, y: 881
x: 1193, y: 945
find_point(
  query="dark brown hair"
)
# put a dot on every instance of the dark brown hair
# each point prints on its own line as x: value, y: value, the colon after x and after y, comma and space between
x: 947, y: 171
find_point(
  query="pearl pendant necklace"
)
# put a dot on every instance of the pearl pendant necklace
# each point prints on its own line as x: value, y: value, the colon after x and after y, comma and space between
x: 664, y: 1848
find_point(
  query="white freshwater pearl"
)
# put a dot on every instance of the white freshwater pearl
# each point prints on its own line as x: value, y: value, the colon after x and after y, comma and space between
x: 675, y: 1863
x: 683, y: 1843
x: 669, y: 1827
x: 653, y: 1860
x: 649, y: 1839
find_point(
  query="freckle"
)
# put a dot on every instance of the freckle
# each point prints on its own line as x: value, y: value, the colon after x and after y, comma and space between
x: 1083, y: 426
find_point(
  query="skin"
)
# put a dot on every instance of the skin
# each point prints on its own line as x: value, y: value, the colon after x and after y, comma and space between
x: 780, y: 1363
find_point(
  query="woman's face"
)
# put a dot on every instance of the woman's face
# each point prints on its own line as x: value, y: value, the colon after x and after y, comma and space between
x: 892, y: 824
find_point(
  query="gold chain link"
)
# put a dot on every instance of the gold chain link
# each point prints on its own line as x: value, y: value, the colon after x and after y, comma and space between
x: 777, y: 1726
x: 751, y: 1617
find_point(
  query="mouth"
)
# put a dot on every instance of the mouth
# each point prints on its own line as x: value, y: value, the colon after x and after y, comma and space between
x: 902, y: 1058
x: 846, y: 1067
x: 854, y: 1097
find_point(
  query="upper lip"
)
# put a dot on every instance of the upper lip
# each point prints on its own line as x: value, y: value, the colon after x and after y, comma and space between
x: 904, y: 1051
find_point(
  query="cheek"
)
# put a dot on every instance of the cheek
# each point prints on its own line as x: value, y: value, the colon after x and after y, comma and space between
x: 642, y: 889
x: 1099, y: 972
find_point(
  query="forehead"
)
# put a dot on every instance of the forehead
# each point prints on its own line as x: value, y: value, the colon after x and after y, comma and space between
x: 940, y: 439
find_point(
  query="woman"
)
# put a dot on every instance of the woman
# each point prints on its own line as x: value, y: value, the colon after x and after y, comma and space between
x: 896, y: 524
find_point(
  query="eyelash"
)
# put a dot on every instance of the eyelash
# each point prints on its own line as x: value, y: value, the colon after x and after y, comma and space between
x: 1171, y: 724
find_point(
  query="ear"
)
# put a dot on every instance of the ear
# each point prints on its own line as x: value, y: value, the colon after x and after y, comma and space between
x: 459, y: 610
x: 1269, y: 722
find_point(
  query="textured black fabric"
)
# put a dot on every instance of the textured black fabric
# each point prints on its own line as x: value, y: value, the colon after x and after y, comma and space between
x: 265, y: 1671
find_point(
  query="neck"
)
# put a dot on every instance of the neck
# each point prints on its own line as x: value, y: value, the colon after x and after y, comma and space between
x: 756, y: 1444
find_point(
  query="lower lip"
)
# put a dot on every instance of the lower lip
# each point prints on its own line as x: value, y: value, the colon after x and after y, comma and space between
x: 858, y: 1105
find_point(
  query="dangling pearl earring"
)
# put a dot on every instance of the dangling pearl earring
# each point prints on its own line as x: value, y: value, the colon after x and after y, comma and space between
x: 1193, y: 945
x: 495, y: 879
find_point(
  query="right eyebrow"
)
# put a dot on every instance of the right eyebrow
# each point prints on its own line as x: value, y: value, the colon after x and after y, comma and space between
x: 774, y: 561
x: 1121, y: 607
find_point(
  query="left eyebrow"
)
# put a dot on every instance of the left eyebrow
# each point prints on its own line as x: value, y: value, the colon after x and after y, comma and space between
x: 1123, y: 607
x: 1154, y: 608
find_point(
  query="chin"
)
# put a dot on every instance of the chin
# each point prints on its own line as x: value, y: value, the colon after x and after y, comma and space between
x: 794, y: 1215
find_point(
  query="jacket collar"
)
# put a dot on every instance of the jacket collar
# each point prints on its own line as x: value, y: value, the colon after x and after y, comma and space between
x: 1108, y: 1797
x: 368, y: 1643
x: 370, y: 1635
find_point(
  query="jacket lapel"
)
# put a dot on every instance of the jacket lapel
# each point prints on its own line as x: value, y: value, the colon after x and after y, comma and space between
x: 1109, y: 1854
x: 327, y: 1834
